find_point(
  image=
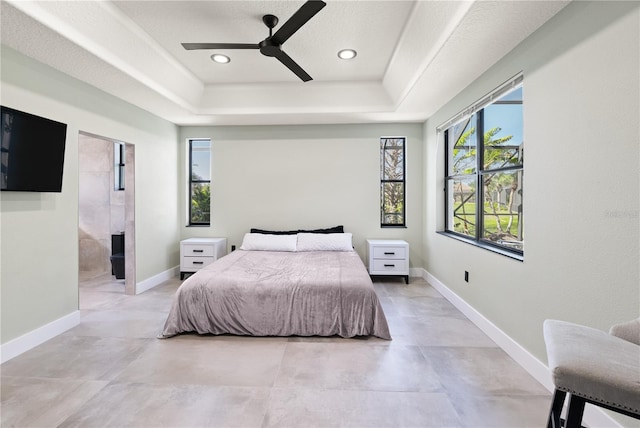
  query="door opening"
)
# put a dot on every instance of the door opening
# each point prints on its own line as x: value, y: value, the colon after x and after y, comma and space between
x: 106, y: 218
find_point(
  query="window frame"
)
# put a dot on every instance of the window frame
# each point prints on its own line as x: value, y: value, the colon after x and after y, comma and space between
x: 403, y: 223
x: 191, y: 182
x: 480, y: 172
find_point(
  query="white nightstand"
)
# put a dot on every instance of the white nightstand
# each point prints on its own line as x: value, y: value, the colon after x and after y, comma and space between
x: 196, y: 253
x: 388, y: 257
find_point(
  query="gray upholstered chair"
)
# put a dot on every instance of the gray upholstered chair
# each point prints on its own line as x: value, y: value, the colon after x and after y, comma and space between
x: 593, y: 367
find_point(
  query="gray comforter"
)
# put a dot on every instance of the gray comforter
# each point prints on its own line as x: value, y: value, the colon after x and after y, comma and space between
x: 264, y: 293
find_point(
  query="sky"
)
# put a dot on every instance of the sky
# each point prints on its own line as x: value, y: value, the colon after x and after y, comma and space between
x: 506, y: 116
x: 201, y: 159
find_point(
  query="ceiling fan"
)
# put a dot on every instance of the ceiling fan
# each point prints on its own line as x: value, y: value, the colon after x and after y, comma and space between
x: 272, y: 45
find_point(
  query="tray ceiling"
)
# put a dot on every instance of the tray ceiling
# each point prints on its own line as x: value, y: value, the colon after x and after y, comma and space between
x: 413, y: 56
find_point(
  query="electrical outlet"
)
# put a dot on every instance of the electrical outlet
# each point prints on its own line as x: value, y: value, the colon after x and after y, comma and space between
x: 466, y: 276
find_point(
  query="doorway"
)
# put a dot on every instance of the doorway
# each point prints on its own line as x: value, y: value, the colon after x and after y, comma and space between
x: 106, y: 221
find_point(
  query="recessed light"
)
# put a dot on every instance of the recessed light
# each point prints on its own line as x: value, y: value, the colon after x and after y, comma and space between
x: 220, y: 59
x: 347, y: 54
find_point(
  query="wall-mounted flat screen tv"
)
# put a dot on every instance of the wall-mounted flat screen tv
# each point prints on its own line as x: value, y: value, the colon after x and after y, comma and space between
x: 31, y: 152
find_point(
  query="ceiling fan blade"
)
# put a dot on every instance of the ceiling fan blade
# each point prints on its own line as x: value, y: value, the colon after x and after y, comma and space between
x: 293, y: 66
x: 193, y: 46
x: 305, y: 13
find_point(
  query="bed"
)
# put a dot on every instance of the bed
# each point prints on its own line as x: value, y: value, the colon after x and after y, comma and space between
x: 281, y: 285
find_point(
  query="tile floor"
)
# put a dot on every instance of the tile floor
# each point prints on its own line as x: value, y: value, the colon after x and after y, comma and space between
x: 438, y: 371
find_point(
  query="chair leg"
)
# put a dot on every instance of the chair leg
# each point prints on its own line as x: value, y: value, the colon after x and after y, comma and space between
x: 556, y: 409
x: 575, y: 412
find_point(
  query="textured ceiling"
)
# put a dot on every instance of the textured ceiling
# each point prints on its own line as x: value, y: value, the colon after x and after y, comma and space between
x: 412, y: 56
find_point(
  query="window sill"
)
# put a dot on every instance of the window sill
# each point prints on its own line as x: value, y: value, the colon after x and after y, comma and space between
x: 484, y: 246
x: 393, y: 226
x: 198, y: 225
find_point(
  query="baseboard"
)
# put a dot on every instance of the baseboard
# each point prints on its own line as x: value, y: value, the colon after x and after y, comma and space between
x: 30, y: 340
x: 593, y: 416
x: 158, y: 279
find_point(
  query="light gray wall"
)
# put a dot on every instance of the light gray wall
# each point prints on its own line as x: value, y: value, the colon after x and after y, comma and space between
x: 581, y: 180
x: 39, y: 231
x: 289, y: 177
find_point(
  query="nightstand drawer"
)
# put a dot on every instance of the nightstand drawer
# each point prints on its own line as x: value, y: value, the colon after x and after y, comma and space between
x: 196, y: 250
x: 389, y: 252
x: 195, y: 263
x: 389, y: 266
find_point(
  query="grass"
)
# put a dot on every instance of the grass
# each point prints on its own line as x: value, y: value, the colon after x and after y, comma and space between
x: 490, y: 220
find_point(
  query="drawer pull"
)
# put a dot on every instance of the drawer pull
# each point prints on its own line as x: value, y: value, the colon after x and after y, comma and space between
x: 198, y: 263
x: 198, y: 251
x: 389, y: 265
x: 389, y: 253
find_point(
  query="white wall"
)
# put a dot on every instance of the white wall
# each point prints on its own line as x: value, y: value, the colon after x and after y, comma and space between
x: 39, y: 249
x: 291, y: 177
x: 581, y: 180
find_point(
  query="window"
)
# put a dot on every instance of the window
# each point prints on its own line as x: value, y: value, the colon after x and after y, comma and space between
x: 199, y: 182
x: 118, y: 167
x: 484, y: 166
x: 392, y: 182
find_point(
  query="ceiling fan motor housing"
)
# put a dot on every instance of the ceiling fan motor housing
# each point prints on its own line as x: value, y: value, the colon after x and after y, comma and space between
x: 269, y: 48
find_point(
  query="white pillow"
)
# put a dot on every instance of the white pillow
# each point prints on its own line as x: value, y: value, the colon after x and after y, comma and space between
x: 262, y: 242
x: 324, y: 242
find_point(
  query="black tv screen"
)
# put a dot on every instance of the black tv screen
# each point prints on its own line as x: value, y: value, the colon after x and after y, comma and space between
x: 31, y: 152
